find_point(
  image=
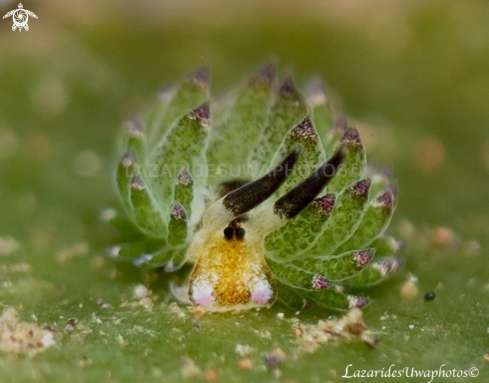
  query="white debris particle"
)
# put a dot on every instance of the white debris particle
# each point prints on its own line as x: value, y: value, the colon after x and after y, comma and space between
x: 78, y: 250
x: 411, y: 326
x: 263, y: 334
x: 107, y: 214
x: 280, y: 315
x: 102, y: 304
x: 120, y: 340
x: 147, y: 303
x: 15, y: 268
x: 244, y: 349
x: 351, y: 325
x: 19, y: 337
x: 96, y: 319
x: 8, y: 245
x: 176, y: 310
x: 190, y: 369
x: 140, y: 291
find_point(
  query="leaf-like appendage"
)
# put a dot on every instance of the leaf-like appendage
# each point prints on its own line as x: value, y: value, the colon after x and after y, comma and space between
x: 146, y: 212
x: 183, y: 148
x: 288, y: 110
x: 322, y: 113
x: 374, y: 222
x: 299, y: 233
x: 376, y: 272
x: 183, y: 191
x: 178, y: 225
x: 297, y: 277
x: 124, y: 174
x: 172, y: 106
x: 345, y: 218
x: 241, y: 128
x: 340, y: 267
x: 305, y: 138
x: 353, y: 167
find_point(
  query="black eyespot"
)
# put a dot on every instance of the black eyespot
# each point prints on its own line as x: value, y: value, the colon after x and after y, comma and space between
x: 229, y: 232
x: 240, y: 233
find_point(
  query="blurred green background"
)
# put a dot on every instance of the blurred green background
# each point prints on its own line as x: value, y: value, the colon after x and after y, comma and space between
x: 412, y: 75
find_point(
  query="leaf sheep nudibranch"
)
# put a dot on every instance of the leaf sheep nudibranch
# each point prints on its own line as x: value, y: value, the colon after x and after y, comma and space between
x: 267, y: 197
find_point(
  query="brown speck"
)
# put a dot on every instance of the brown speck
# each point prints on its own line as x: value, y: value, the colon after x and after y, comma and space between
x: 429, y: 154
x: 443, y: 236
x: 210, y: 375
x: 198, y: 311
x: 245, y: 364
x: 486, y: 358
x: 297, y: 332
x: 410, y: 289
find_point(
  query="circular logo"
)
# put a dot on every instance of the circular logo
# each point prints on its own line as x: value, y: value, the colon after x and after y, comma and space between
x: 20, y: 18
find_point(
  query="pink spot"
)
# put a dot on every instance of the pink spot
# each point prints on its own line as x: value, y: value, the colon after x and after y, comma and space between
x: 202, y: 295
x: 262, y: 295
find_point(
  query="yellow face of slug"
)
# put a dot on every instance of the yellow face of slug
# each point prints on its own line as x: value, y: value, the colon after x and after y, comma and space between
x: 231, y: 273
